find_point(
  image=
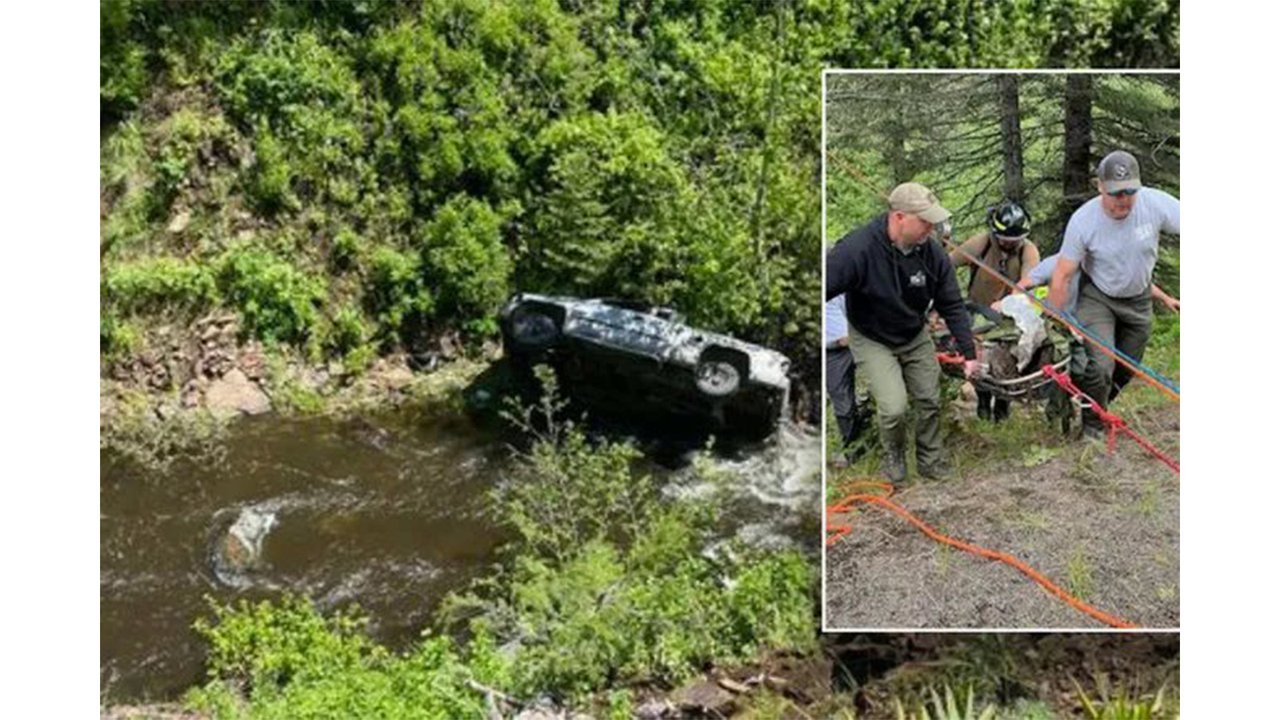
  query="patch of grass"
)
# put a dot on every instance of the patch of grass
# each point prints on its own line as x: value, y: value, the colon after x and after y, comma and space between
x: 942, y: 559
x: 1108, y: 703
x: 1149, y: 503
x: 1037, y: 455
x: 1030, y: 520
x: 1025, y: 439
x: 1080, y: 574
x: 950, y: 705
x: 1084, y: 468
x: 289, y: 393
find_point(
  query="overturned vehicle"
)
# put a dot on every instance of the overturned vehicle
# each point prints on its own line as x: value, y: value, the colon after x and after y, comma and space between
x: 636, y: 359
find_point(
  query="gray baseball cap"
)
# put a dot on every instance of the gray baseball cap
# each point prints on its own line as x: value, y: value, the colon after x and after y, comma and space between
x: 918, y: 200
x: 1119, y: 171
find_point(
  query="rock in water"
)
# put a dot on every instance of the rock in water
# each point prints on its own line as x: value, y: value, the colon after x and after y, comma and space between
x: 238, y: 551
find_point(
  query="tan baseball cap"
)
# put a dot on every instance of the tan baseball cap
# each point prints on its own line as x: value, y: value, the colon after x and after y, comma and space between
x: 918, y: 200
x: 1119, y: 171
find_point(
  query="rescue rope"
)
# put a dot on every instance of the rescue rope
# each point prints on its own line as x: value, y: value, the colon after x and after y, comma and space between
x: 850, y: 503
x: 1115, y: 424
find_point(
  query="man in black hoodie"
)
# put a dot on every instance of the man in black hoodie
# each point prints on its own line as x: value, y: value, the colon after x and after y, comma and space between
x: 891, y: 272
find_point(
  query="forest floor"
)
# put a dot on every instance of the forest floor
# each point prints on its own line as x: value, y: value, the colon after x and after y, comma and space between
x: 1103, y: 526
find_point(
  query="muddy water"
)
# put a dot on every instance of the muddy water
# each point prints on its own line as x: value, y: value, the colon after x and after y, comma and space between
x: 386, y: 512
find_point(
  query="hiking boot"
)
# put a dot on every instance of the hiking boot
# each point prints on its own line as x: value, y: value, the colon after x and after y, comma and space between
x: 939, y: 471
x: 1091, y: 424
x: 894, y: 465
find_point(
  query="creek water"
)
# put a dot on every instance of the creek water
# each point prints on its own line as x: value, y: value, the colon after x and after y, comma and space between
x: 388, y: 512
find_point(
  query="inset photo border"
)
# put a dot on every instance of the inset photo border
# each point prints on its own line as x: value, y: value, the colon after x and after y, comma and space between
x: 1001, y: 432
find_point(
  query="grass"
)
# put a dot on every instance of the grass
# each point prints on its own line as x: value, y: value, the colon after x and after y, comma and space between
x: 1149, y: 503
x: 1108, y: 703
x: 1080, y: 574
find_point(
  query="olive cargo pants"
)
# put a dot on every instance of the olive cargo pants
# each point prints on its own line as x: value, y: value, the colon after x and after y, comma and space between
x: 896, y: 374
x: 1123, y: 323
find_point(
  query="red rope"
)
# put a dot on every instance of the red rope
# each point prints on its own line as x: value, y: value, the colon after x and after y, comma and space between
x: 1115, y: 424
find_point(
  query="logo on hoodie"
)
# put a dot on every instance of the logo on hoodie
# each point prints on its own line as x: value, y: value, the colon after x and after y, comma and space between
x: 917, y: 280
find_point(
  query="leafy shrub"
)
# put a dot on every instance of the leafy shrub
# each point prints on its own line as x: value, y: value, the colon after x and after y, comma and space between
x: 271, y: 187
x: 302, y: 100
x: 603, y: 219
x: 277, y: 302
x: 117, y: 337
x: 122, y: 70
x: 292, y: 662
x: 346, y: 249
x: 466, y: 263
x: 273, y: 78
x: 397, y: 293
x: 159, y: 284
x: 184, y: 133
x: 610, y: 584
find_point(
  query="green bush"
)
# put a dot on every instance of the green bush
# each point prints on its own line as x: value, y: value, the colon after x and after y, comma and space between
x: 603, y: 221
x: 122, y: 70
x: 117, y: 337
x: 466, y: 264
x: 611, y: 585
x: 277, y: 302
x: 159, y: 284
x: 183, y: 135
x: 287, y: 661
x: 397, y: 295
x: 274, y: 77
x: 346, y: 250
x: 271, y: 181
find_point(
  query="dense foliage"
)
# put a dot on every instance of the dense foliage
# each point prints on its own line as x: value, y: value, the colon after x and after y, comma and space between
x: 409, y: 166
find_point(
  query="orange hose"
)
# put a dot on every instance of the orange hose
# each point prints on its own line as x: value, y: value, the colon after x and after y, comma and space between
x: 849, y: 503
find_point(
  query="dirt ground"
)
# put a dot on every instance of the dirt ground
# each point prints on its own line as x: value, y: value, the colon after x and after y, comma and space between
x: 1103, y: 527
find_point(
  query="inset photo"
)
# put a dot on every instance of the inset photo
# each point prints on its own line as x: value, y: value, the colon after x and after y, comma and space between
x: 1001, y: 350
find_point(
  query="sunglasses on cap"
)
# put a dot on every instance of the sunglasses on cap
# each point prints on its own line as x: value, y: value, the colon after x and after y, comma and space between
x: 1126, y: 192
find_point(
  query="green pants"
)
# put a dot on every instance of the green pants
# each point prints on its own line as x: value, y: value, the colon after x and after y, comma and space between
x: 1122, y: 323
x: 896, y: 374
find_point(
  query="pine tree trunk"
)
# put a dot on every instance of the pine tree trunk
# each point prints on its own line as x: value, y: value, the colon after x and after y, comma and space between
x: 1015, y: 187
x: 1077, y: 160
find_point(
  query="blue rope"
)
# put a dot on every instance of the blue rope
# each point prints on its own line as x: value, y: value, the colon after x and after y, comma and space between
x: 1074, y: 322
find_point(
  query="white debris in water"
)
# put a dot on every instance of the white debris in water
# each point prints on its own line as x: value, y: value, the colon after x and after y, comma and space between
x: 251, y: 528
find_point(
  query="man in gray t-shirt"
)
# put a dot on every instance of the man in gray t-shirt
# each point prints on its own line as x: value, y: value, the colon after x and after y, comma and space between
x: 1112, y: 239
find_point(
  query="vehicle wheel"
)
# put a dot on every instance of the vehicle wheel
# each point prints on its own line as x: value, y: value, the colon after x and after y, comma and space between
x: 533, y: 330
x: 717, y: 378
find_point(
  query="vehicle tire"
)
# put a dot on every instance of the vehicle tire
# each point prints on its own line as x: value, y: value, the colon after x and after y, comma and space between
x: 533, y: 330
x: 717, y: 378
